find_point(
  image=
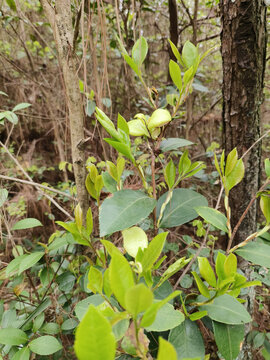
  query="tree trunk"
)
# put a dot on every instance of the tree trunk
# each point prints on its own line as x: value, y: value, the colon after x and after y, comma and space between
x: 243, y: 48
x: 60, y: 19
x: 173, y: 26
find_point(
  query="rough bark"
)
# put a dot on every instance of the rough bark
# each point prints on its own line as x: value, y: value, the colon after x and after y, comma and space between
x: 60, y: 19
x: 243, y: 48
x: 173, y: 26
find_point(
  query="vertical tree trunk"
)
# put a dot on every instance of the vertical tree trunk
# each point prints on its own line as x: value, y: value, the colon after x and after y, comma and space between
x: 60, y: 19
x: 243, y: 48
x: 173, y: 26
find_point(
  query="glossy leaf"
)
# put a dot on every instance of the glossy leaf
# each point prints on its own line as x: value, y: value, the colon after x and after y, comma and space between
x: 45, y: 345
x: 30, y: 261
x: 230, y: 265
x: 12, y: 336
x: 83, y: 305
x: 265, y: 207
x: 132, y: 64
x: 138, y: 298
x: 153, y: 251
x: 213, y: 217
x: 173, y: 144
x: 22, y: 354
x: 176, y: 53
x: 226, y: 309
x: 26, y: 224
x: 121, y: 147
x: 220, y: 260
x: 228, y: 339
x: 150, y: 314
x: 231, y: 161
x: 167, y: 318
x: 21, y: 106
x: 134, y: 238
x: 137, y: 128
x: 128, y: 208
x: 175, y: 74
x: 169, y: 174
x: 235, y: 176
x: 201, y: 286
x: 255, y: 252
x: 94, y: 339
x: 160, y: 117
x: 166, y: 350
x: 189, y: 54
x: 267, y: 167
x: 95, y: 280
x: 181, y: 208
x: 139, y: 51
x: 121, y: 277
x: 206, y: 271
x: 187, y: 340
x: 107, y: 124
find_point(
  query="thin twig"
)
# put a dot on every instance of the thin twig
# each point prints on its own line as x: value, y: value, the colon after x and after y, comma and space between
x: 32, y: 183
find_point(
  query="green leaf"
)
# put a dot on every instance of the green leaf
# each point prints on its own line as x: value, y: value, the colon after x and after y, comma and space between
x: 21, y: 106
x: 50, y: 328
x: 94, y: 339
x: 175, y: 74
x: 153, y: 251
x: 12, y: 336
x: 228, y: 339
x: 213, y: 217
x: 128, y: 207
x: 78, y: 216
x: 267, y: 167
x: 159, y: 118
x: 123, y: 127
x: 181, y: 208
x: 167, y: 318
x: 109, y: 182
x: 174, y: 268
x: 107, y: 124
x: 265, y: 207
x: 231, y: 161
x: 184, y: 163
x: 139, y: 51
x: 122, y: 148
x: 132, y: 64
x: 166, y: 350
x: 169, y: 174
x: 188, y: 76
x: 45, y: 345
x: 255, y: 252
x: 26, y: 224
x: 189, y: 54
x: 173, y: 144
x: 30, y: 261
x: 230, y: 265
x: 22, y: 354
x: 137, y: 128
x: 3, y: 196
x: 220, y: 261
x: 138, y: 298
x: 226, y: 309
x: 83, y: 305
x: 121, y: 277
x: 206, y: 271
x: 12, y: 5
x: 69, y: 324
x: 197, y: 315
x: 235, y: 176
x: 187, y: 340
x: 150, y: 314
x: 89, y: 222
x: 95, y: 280
x: 202, y: 288
x: 176, y: 53
x: 134, y: 238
